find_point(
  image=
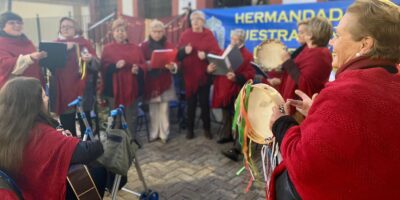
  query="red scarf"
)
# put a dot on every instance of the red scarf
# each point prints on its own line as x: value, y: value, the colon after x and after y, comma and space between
x: 46, y: 160
x: 315, y: 66
x: 155, y: 86
x: 10, y: 49
x: 348, y: 146
x: 69, y: 84
x: 195, y: 70
x: 125, y: 85
x: 224, y: 89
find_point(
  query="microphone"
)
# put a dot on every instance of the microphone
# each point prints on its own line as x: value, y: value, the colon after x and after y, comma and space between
x: 75, y: 102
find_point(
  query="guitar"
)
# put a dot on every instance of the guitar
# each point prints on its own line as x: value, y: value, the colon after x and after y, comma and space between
x: 82, y: 183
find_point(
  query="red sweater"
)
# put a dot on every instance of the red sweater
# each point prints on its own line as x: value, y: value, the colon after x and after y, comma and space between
x: 348, y: 147
x: 45, y: 164
x: 194, y: 69
x: 224, y: 89
x: 10, y: 49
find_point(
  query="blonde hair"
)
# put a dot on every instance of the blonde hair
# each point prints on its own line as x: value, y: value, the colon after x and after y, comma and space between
x: 320, y: 29
x: 118, y: 23
x: 379, y: 19
x: 156, y: 25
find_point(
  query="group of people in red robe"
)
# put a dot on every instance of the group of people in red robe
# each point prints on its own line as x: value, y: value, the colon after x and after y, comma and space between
x: 334, y: 145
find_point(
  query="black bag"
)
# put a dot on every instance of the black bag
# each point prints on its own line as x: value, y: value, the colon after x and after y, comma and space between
x: 284, y: 188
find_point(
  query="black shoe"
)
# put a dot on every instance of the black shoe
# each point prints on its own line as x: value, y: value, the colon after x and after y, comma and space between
x: 232, y: 154
x: 189, y: 135
x: 208, y: 135
x: 137, y: 143
x: 225, y: 140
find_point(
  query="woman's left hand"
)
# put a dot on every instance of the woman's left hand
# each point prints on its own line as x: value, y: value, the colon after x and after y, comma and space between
x: 231, y: 76
x: 201, y: 55
x: 277, y: 112
x: 135, y: 69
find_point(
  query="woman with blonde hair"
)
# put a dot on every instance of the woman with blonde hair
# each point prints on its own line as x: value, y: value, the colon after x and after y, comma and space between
x: 348, y: 146
x: 159, y: 88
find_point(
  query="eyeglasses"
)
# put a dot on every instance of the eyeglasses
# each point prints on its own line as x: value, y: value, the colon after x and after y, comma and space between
x: 15, y: 22
x: 67, y: 27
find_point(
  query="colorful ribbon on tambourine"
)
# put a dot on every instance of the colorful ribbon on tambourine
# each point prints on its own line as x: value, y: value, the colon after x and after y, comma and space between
x: 242, y: 126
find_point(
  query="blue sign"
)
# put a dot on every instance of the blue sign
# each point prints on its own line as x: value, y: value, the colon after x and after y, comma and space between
x: 270, y: 21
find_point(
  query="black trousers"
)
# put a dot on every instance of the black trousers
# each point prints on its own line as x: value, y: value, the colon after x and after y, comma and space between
x: 202, y: 96
x: 68, y: 123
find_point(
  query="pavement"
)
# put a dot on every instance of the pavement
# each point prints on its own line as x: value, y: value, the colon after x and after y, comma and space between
x: 189, y: 170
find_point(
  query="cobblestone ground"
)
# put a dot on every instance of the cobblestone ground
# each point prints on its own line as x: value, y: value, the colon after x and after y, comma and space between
x: 188, y: 169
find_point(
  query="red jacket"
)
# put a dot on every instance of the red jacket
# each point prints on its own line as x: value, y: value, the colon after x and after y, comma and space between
x: 348, y: 147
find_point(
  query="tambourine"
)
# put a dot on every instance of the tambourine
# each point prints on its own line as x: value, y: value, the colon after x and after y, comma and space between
x: 261, y: 99
x: 268, y: 55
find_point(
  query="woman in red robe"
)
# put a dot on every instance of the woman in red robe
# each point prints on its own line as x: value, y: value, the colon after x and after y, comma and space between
x: 77, y: 78
x: 226, y: 88
x: 18, y: 56
x: 123, y: 65
x: 194, y: 44
x: 159, y: 88
x: 32, y: 151
x: 348, y: 146
x: 310, y: 69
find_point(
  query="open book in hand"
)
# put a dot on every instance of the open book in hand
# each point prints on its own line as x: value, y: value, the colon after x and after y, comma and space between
x: 161, y: 57
x: 230, y: 60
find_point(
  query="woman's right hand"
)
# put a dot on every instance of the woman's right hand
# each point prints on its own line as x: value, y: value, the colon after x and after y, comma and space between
x: 120, y: 64
x: 302, y: 105
x: 211, y: 68
x: 38, y: 55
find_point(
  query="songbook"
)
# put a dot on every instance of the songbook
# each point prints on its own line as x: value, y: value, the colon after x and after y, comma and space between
x: 230, y: 60
x: 258, y: 69
x: 56, y: 55
x: 161, y: 57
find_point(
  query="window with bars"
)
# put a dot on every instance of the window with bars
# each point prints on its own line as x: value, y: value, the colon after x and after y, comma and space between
x: 155, y: 8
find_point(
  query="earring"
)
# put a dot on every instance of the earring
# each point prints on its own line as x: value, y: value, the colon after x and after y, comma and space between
x: 358, y: 54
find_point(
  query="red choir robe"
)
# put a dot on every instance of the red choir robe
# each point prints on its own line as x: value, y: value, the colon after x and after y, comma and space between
x: 46, y: 160
x: 69, y: 84
x: 195, y: 70
x: 226, y: 90
x: 8, y: 195
x: 348, y: 147
x: 125, y: 84
x: 272, y: 74
x: 315, y: 65
x: 155, y: 86
x: 10, y: 49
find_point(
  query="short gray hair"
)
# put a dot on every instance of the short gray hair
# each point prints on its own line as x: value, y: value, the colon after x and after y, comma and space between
x: 240, y: 33
x: 157, y: 25
x: 198, y: 13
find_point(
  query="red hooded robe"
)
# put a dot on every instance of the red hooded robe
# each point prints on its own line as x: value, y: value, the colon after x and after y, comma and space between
x: 226, y: 90
x: 155, y: 86
x: 194, y: 69
x: 46, y: 160
x: 315, y: 65
x: 10, y: 49
x: 125, y: 84
x: 69, y: 84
